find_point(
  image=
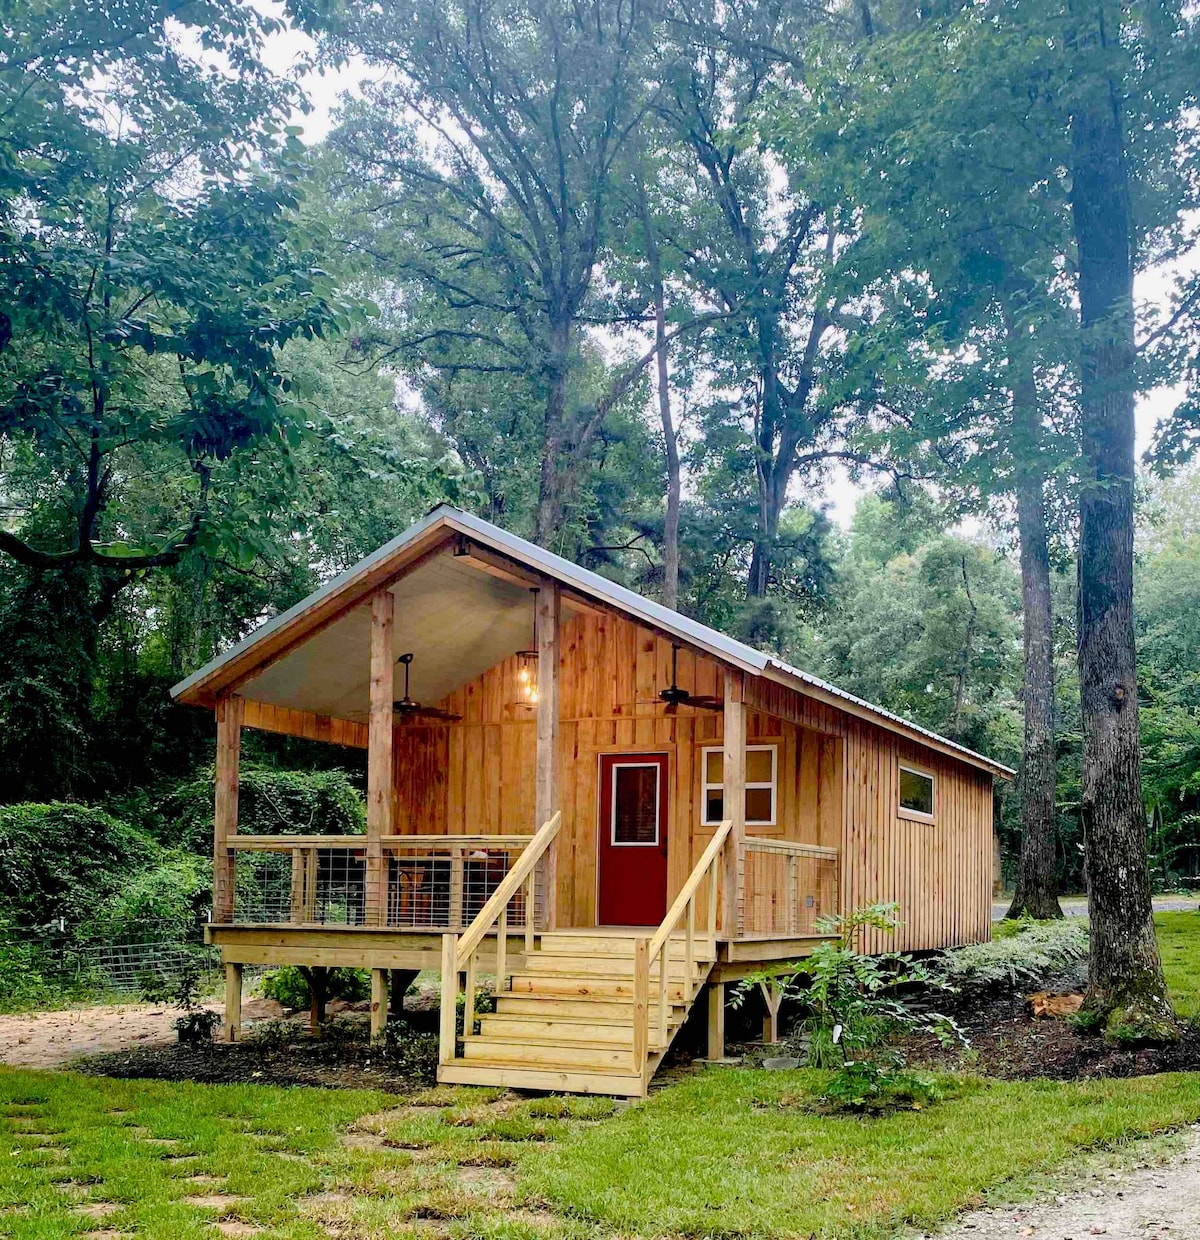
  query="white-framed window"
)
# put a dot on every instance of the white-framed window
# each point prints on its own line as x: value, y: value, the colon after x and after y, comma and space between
x: 762, y: 785
x: 918, y: 795
x: 636, y: 800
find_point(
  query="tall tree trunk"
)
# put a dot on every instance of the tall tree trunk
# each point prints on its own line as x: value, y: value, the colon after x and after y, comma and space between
x: 670, y: 436
x: 550, y: 498
x: 1126, y: 985
x: 1035, y: 893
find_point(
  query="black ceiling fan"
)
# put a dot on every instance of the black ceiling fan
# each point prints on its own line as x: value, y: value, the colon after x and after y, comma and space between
x: 406, y: 708
x: 675, y: 697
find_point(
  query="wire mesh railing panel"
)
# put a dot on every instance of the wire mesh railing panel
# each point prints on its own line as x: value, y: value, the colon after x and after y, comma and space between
x: 323, y: 886
x: 786, y: 888
x: 446, y: 890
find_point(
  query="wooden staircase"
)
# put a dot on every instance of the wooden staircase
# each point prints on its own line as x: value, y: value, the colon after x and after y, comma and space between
x: 570, y: 1020
x: 588, y: 1011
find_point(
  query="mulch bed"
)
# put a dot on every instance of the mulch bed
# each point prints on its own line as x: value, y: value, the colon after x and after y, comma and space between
x: 1007, y: 1042
x: 286, y: 1054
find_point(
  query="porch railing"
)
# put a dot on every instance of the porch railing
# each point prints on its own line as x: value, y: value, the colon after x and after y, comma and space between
x: 785, y: 888
x: 705, y: 875
x: 460, y: 953
x: 434, y: 883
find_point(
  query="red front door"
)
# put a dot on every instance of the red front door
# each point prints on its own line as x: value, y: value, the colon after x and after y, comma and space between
x: 633, y: 839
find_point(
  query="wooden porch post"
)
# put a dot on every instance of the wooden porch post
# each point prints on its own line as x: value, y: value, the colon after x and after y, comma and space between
x: 225, y: 804
x: 380, y: 776
x: 233, y: 1002
x: 549, y: 609
x: 716, y: 1021
x: 734, y: 780
x: 379, y: 1004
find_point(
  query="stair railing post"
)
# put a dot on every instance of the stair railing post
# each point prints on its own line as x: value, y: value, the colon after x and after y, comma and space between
x: 690, y: 945
x: 469, y: 996
x: 446, y: 1031
x: 664, y: 977
x: 641, y: 1003
x: 501, y: 948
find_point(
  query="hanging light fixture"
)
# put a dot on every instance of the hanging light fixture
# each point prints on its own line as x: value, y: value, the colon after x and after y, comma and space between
x: 527, y: 666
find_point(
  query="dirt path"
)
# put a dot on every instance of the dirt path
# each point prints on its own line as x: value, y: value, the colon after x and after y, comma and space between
x: 1149, y: 1203
x: 51, y: 1039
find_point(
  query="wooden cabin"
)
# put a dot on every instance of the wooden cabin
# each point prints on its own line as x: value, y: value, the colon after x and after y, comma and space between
x: 607, y: 807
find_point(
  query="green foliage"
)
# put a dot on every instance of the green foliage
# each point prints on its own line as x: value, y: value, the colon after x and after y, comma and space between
x: 271, y: 801
x: 1022, y: 954
x: 167, y: 902
x: 873, y: 1088
x: 289, y: 986
x: 851, y: 1001
x: 59, y: 860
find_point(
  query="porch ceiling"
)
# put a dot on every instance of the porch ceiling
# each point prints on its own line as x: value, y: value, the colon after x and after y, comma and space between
x: 455, y: 618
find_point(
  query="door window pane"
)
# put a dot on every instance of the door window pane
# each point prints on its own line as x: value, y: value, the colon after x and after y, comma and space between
x: 635, y: 805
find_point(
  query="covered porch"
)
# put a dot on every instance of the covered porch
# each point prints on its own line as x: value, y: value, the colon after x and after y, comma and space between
x: 532, y: 770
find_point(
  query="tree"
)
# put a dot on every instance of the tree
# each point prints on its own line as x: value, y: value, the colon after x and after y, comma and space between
x: 964, y: 364
x: 486, y: 164
x: 150, y: 272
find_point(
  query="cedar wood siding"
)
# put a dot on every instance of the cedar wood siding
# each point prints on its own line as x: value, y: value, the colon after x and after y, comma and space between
x: 837, y: 780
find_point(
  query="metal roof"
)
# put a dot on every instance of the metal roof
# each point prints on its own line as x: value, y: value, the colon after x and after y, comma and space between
x: 589, y: 585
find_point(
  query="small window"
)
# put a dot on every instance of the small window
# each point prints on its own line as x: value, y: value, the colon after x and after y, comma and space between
x: 635, y: 803
x: 761, y: 772
x: 916, y: 793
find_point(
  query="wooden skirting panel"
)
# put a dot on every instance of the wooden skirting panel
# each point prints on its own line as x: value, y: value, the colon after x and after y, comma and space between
x: 351, y: 947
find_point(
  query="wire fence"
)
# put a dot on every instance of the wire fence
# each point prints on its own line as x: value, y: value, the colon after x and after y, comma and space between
x: 152, y: 968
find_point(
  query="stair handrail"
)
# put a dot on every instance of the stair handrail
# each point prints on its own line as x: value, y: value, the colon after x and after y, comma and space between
x: 659, y: 945
x: 459, y: 950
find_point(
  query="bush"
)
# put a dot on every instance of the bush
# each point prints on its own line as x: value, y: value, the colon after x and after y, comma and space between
x: 289, y: 986
x: 168, y: 903
x: 1023, y: 954
x: 270, y: 802
x: 849, y: 1001
x: 60, y: 861
x: 878, y: 1089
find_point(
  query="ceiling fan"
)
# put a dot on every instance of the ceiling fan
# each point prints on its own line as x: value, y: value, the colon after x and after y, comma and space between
x: 406, y: 708
x: 675, y: 697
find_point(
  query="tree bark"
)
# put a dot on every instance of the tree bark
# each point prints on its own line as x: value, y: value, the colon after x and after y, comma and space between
x: 549, y: 509
x: 670, y: 436
x: 1126, y: 985
x: 1035, y: 892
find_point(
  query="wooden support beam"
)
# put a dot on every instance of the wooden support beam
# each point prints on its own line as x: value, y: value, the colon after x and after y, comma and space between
x: 772, y: 993
x: 734, y: 781
x: 379, y: 1004
x: 229, y: 712
x: 380, y: 774
x: 233, y: 1002
x: 716, y: 1021
x: 549, y: 615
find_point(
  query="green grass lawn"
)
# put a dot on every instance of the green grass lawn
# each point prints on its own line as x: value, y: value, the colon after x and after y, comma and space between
x: 722, y: 1152
x: 716, y: 1153
x: 1179, y: 943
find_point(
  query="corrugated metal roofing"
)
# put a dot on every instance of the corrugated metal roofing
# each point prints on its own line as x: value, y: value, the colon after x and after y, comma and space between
x: 588, y: 584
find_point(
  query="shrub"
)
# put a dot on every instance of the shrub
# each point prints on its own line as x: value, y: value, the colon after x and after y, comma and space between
x: 270, y: 802
x: 167, y: 903
x: 1022, y: 954
x: 289, y: 986
x: 849, y: 1001
x: 878, y: 1088
x: 59, y: 860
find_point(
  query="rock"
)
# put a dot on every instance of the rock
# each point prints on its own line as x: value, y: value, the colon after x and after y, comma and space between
x: 780, y: 1063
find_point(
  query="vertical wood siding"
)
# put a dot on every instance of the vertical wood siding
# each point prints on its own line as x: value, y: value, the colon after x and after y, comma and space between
x: 838, y: 780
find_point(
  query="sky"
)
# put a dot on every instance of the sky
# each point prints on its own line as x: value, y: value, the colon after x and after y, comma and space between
x: 839, y: 494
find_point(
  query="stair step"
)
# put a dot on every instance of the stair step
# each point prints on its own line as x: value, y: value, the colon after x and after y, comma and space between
x: 589, y: 945
x: 535, y: 1053
x: 584, y: 1007
x: 576, y: 986
x: 553, y: 1026
x: 560, y: 1080
x: 601, y: 966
